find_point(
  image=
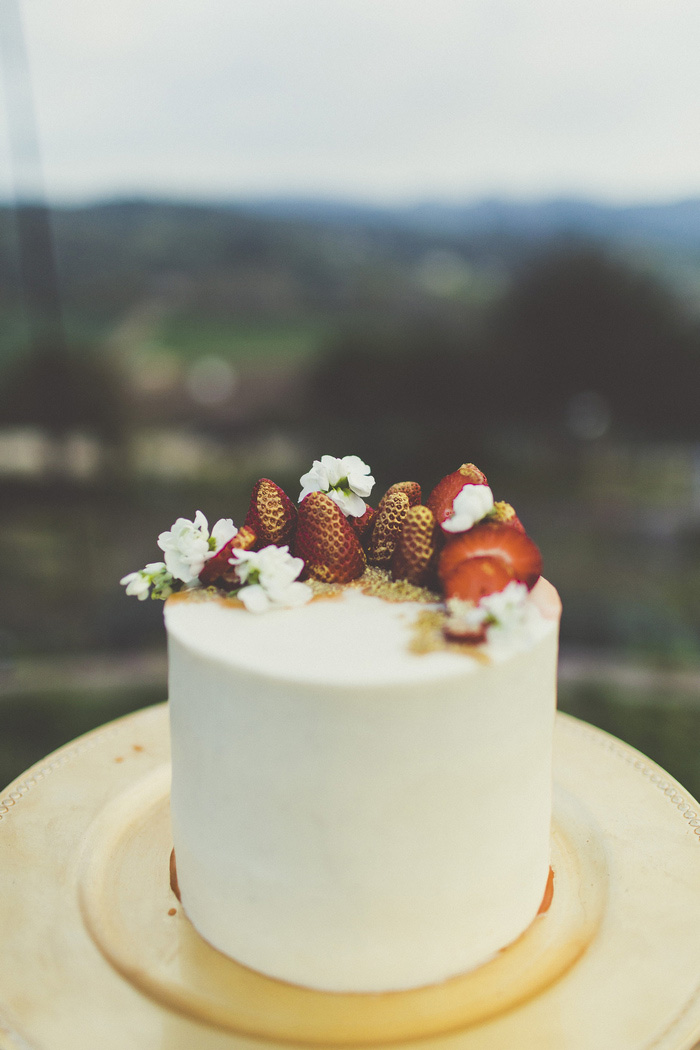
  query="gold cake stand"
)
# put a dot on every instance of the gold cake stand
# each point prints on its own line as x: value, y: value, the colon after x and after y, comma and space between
x: 96, y: 952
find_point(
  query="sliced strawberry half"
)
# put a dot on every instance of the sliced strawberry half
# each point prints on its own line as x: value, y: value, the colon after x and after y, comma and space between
x: 494, y: 539
x: 218, y: 568
x: 474, y: 578
x: 458, y: 631
x: 442, y: 497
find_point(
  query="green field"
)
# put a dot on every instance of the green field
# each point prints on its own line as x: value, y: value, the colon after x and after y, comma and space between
x: 190, y: 336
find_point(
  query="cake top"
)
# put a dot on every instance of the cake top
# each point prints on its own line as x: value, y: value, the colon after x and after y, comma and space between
x: 460, y: 553
x: 352, y: 640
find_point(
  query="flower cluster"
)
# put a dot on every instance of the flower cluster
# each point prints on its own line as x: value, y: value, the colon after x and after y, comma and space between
x: 459, y: 541
x: 188, y: 544
x: 155, y: 575
x: 498, y: 616
x: 268, y: 579
x: 264, y: 578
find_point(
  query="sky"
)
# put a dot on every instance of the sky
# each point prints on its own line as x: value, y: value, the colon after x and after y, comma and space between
x: 388, y: 101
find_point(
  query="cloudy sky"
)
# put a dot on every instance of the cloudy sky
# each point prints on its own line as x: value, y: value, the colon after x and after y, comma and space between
x: 383, y: 100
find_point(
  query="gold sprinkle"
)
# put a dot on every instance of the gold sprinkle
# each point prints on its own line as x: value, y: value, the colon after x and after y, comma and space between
x: 206, y: 594
x: 374, y: 581
x: 378, y: 584
x: 324, y: 590
x: 427, y: 634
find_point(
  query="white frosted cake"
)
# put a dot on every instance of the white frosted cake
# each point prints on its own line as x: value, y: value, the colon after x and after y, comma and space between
x: 361, y: 791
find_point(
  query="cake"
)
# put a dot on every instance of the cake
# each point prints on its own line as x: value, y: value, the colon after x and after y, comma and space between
x: 362, y: 707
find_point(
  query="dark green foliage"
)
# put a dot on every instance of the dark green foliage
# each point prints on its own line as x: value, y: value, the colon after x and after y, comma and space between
x: 33, y: 726
x: 63, y: 391
x: 580, y: 320
x: 662, y: 725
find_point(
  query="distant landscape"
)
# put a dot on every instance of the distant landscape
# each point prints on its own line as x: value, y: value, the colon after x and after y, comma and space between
x: 532, y: 305
x: 197, y: 347
x: 675, y: 224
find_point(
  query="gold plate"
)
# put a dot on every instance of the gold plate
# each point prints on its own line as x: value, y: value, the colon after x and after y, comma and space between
x: 128, y: 907
x: 97, y: 952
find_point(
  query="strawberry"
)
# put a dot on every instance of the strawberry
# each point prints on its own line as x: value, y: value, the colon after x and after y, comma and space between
x: 458, y: 631
x: 504, y: 512
x: 387, y: 527
x: 363, y: 524
x: 494, y: 539
x: 272, y: 516
x: 219, y: 568
x: 416, y: 549
x: 327, y: 541
x: 442, y: 497
x: 474, y: 578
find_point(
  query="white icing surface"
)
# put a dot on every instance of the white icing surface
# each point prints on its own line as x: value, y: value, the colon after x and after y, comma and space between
x: 347, y: 815
x: 348, y: 640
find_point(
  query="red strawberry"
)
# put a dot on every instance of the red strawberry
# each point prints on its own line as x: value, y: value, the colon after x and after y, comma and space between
x: 458, y: 631
x: 272, y: 516
x: 416, y: 548
x: 363, y: 524
x: 494, y: 539
x: 442, y: 497
x: 327, y: 542
x: 474, y: 578
x: 219, y: 566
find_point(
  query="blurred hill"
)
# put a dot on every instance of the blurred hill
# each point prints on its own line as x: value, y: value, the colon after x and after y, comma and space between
x: 560, y: 319
x: 297, y: 257
x: 674, y: 225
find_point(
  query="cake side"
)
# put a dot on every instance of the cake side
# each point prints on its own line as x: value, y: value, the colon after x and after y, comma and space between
x: 361, y: 836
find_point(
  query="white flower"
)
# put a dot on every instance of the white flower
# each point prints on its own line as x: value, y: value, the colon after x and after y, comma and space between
x: 503, y: 613
x: 221, y: 533
x: 470, y: 505
x: 465, y: 617
x: 188, y: 545
x: 137, y: 583
x: 268, y: 578
x: 506, y: 609
x: 346, y: 481
x: 154, y: 575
